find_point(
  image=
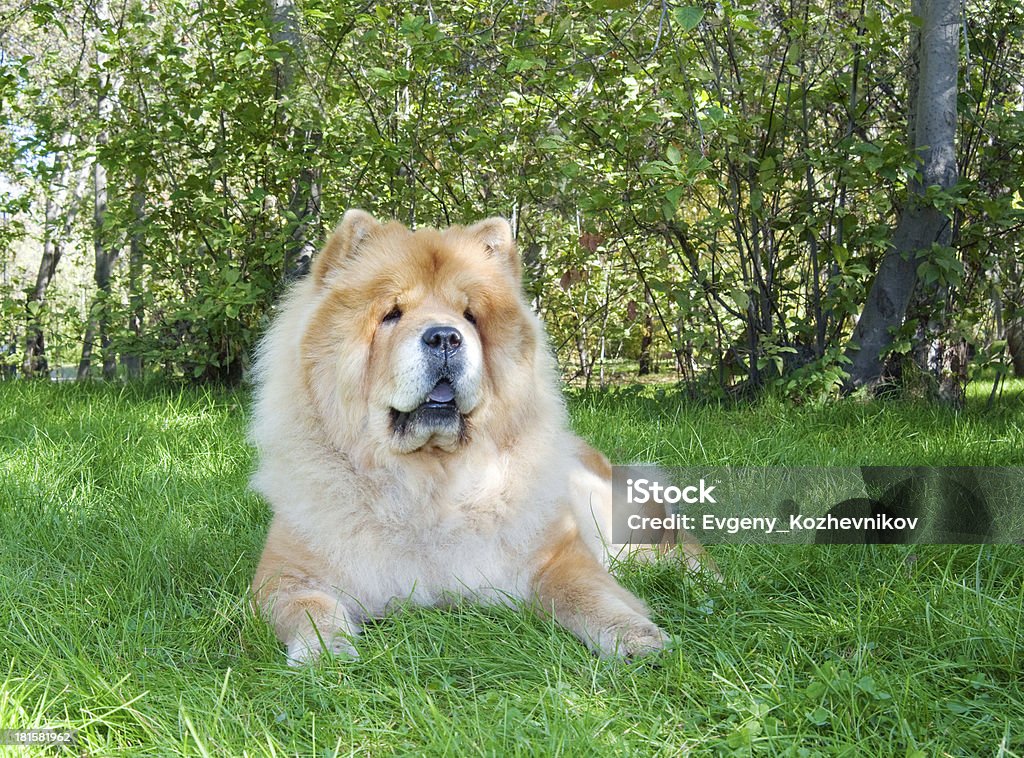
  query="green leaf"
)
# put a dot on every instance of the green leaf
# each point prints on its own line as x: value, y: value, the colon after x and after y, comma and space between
x: 819, y: 716
x: 867, y: 684
x: 744, y: 735
x: 741, y: 298
x: 524, y: 64
x: 551, y: 142
x: 744, y: 22
x: 674, y: 195
x: 611, y: 5
x: 688, y: 17
x: 816, y: 689
x: 714, y: 113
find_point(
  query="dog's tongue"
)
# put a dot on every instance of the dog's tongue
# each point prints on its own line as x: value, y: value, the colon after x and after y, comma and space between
x: 442, y: 393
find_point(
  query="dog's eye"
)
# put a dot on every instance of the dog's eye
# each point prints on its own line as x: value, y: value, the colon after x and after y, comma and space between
x: 468, y: 315
x: 393, y: 315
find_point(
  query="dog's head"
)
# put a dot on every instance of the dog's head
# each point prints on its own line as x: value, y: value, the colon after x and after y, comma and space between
x: 419, y: 338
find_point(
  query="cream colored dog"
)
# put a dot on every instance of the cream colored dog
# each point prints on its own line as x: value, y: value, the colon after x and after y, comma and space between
x: 414, y: 447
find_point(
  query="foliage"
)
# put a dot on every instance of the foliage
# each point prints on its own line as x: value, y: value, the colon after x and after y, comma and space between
x: 707, y: 191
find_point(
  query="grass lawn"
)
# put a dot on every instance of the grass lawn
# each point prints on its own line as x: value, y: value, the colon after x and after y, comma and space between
x: 127, y: 540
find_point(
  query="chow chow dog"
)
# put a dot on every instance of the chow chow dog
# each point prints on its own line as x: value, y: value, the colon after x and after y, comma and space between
x: 414, y: 447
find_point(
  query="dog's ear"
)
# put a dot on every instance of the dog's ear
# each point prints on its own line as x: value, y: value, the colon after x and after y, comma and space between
x: 355, y: 227
x: 495, y: 234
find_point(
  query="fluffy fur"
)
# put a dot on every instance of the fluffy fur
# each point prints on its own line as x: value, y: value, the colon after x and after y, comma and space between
x: 414, y: 447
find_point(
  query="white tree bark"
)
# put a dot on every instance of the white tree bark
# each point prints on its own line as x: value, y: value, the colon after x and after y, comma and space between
x: 104, y: 248
x: 304, y: 204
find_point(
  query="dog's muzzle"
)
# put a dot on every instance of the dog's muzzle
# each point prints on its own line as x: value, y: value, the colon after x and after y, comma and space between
x: 443, y: 358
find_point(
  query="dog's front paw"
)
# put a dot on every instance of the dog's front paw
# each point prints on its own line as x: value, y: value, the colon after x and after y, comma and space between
x: 630, y: 638
x: 303, y: 650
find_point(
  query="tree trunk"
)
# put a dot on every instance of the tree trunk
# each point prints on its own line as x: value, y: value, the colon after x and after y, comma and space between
x: 105, y: 251
x: 646, y: 359
x: 304, y: 204
x: 934, y: 117
x: 85, y: 363
x: 1015, y: 342
x: 132, y: 361
x: 61, y: 202
x: 35, y: 342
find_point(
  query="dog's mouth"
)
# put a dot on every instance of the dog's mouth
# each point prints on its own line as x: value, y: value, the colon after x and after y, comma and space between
x: 438, y: 410
x: 441, y: 397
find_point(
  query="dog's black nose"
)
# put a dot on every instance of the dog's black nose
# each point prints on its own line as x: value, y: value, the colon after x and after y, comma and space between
x: 443, y: 339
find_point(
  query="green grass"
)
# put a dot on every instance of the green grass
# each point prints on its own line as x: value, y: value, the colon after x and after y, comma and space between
x: 645, y: 423
x: 127, y: 539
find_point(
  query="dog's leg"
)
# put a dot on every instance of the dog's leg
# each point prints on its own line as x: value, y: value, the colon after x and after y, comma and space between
x: 308, y: 621
x: 307, y: 616
x: 575, y: 589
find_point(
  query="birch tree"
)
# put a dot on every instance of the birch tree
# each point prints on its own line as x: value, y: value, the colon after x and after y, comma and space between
x: 304, y: 203
x: 104, y: 248
x: 63, y: 197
